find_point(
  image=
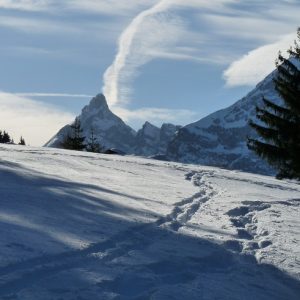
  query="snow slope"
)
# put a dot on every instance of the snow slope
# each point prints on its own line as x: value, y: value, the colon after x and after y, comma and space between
x: 77, y: 225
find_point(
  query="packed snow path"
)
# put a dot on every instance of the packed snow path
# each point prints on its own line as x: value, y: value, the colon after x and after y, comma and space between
x: 75, y: 225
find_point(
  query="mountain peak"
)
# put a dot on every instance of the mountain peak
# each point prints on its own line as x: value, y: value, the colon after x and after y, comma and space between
x: 99, y: 101
x: 148, y: 124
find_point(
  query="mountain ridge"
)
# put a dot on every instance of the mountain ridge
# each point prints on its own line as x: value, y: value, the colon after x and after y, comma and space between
x: 218, y: 139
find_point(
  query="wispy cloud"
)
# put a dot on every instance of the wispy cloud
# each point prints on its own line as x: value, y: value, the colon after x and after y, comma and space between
x: 110, y: 7
x: 156, y: 33
x: 255, y: 28
x: 126, y: 51
x: 156, y: 115
x: 105, y: 7
x: 35, y: 121
x: 37, y: 25
x: 257, y: 64
x: 53, y: 95
x: 26, y: 5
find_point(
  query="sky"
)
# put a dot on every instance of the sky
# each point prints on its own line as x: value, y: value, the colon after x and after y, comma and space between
x: 155, y: 60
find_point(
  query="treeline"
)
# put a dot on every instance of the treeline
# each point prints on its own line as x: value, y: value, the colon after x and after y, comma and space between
x: 5, y: 138
x: 76, y: 141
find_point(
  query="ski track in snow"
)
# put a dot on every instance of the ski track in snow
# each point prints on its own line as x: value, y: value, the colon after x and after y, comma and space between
x: 157, y: 260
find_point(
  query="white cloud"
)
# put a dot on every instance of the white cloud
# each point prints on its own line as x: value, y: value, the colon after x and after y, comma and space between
x: 105, y: 7
x: 27, y: 5
x: 37, y: 122
x: 53, y: 95
x: 112, y: 76
x: 37, y: 25
x: 257, y: 64
x: 257, y: 28
x: 156, y: 115
x: 110, y: 7
x: 155, y: 33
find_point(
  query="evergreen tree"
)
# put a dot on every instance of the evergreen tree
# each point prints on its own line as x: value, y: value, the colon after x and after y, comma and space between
x: 92, y: 144
x: 22, y: 141
x: 6, y: 138
x: 1, y: 136
x: 75, y: 140
x: 279, y: 129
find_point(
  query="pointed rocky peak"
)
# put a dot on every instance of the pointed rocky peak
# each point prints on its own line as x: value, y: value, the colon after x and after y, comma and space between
x: 149, y: 125
x: 98, y: 102
x: 149, y: 129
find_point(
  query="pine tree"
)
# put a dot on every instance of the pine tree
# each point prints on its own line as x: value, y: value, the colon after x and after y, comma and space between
x: 75, y: 140
x: 279, y: 141
x: 1, y: 136
x: 93, y: 144
x: 6, y: 138
x: 22, y: 141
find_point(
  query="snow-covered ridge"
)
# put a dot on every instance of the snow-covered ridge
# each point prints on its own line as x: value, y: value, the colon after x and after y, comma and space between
x: 78, y: 225
x: 220, y: 138
x: 112, y: 132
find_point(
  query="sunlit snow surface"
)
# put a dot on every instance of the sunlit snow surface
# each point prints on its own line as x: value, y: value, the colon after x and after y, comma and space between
x: 75, y: 225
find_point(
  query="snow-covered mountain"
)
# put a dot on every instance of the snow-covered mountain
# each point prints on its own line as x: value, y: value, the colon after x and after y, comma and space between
x: 110, y: 130
x: 77, y: 225
x: 220, y: 138
x: 216, y: 140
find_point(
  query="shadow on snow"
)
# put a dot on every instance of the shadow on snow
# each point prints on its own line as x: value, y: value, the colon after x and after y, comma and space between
x: 128, y: 260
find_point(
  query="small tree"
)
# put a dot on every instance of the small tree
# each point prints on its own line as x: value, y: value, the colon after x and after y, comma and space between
x: 6, y: 138
x: 279, y: 141
x: 93, y: 144
x: 22, y: 141
x: 75, y: 140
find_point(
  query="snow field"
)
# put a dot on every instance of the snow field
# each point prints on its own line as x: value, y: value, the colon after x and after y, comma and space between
x: 75, y: 225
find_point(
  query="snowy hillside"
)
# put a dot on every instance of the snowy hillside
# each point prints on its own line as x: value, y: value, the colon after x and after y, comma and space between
x: 76, y: 225
x: 220, y: 138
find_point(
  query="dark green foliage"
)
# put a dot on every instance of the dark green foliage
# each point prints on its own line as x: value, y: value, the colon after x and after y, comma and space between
x: 279, y: 141
x: 93, y: 144
x: 5, y: 137
x: 22, y: 141
x: 75, y: 140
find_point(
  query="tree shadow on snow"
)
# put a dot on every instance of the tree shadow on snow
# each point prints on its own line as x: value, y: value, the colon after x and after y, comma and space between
x: 43, y: 220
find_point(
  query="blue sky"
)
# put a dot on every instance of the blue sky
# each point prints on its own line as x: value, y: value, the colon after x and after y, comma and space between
x: 156, y: 60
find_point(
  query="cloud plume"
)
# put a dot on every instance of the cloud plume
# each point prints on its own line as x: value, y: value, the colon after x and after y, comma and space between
x: 112, y: 75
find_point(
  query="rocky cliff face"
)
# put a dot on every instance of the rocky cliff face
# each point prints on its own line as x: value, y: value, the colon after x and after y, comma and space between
x: 151, y: 140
